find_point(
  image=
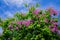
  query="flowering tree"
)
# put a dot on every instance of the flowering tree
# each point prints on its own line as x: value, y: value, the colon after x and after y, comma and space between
x: 34, y: 25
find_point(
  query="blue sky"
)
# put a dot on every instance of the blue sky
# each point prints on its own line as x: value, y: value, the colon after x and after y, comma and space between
x: 9, y: 7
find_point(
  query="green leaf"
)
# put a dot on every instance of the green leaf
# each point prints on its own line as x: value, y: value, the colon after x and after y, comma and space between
x: 26, y: 5
x: 38, y: 25
x: 42, y: 39
x: 37, y: 5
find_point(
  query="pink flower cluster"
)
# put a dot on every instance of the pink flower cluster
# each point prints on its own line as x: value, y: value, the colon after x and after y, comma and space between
x: 36, y: 11
x: 10, y: 27
x: 46, y: 20
x: 53, y: 28
x: 53, y: 12
x: 17, y: 28
x: 27, y: 22
x: 55, y: 23
x: 19, y: 22
x: 51, y: 21
x: 24, y: 22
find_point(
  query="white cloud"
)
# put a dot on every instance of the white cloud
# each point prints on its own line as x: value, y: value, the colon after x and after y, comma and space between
x: 17, y: 2
x: 8, y: 14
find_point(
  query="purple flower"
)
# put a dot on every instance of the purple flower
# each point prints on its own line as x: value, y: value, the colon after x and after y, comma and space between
x: 31, y: 20
x: 17, y: 28
x: 53, y: 12
x: 36, y: 11
x: 56, y: 29
x: 26, y: 22
x: 55, y: 23
x: 51, y: 21
x: 19, y: 22
x: 46, y: 20
x: 10, y: 27
x: 53, y: 29
x: 50, y: 27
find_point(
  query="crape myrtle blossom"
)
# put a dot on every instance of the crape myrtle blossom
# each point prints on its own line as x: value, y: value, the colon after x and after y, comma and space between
x: 51, y: 21
x: 50, y: 27
x: 31, y: 20
x: 55, y: 23
x: 46, y: 20
x: 26, y: 22
x: 19, y: 22
x: 32, y: 23
x: 36, y: 11
x: 10, y: 27
x: 53, y: 28
x: 52, y: 11
x: 17, y: 28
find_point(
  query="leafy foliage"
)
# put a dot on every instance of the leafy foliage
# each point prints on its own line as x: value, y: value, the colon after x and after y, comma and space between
x: 30, y: 26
